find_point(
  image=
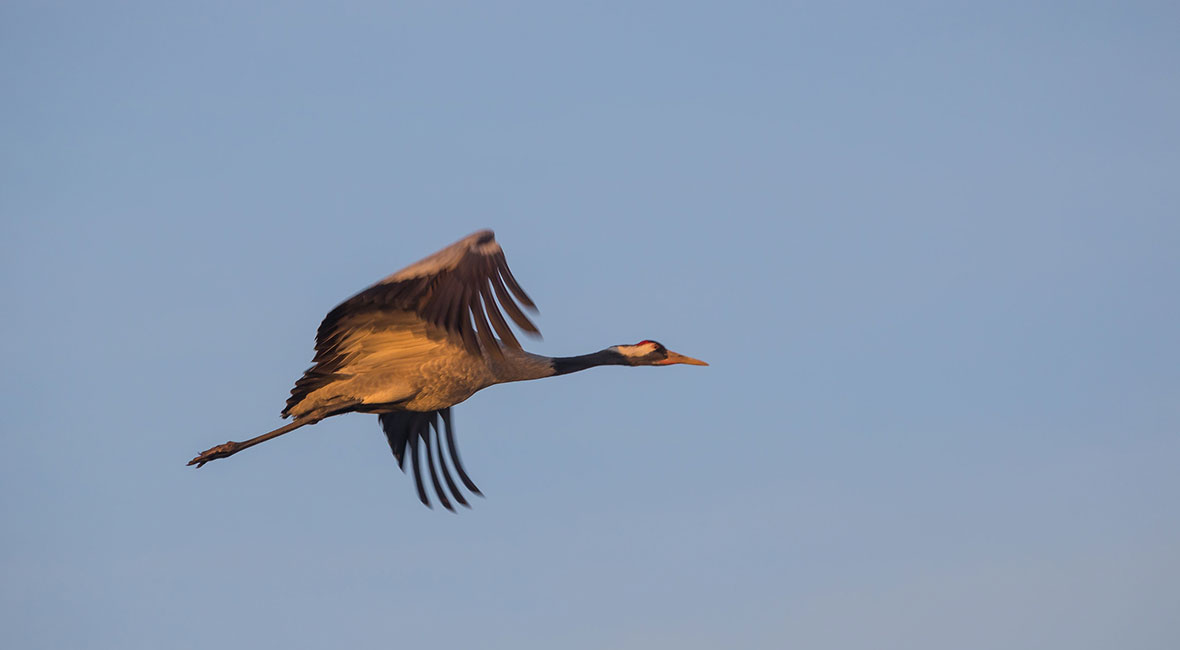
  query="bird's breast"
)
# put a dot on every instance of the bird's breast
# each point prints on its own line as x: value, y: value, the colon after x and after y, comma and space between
x: 449, y: 381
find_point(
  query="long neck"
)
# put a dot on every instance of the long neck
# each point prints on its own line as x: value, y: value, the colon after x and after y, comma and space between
x: 608, y: 357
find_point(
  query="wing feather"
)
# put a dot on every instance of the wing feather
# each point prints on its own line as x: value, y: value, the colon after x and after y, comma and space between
x: 432, y: 421
x: 415, y: 459
x: 497, y: 318
x: 417, y: 429
x: 445, y: 289
x: 451, y: 290
x: 513, y: 310
x: 446, y: 416
x: 442, y: 463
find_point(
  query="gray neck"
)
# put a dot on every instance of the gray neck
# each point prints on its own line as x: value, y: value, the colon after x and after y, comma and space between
x: 518, y: 365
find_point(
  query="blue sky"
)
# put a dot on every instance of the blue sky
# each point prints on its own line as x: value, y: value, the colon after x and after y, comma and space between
x: 928, y: 248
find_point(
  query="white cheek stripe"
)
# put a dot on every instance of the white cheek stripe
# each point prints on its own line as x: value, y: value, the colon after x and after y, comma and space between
x: 637, y: 350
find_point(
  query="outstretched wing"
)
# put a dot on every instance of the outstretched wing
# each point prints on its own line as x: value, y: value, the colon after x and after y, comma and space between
x: 448, y: 289
x: 458, y: 290
x: 414, y: 429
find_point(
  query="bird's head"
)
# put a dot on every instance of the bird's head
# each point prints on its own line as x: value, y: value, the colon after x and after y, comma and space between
x: 651, y: 353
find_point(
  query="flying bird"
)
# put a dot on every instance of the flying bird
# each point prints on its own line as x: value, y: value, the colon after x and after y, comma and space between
x: 421, y: 341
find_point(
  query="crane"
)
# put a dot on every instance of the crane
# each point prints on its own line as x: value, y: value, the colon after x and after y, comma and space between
x: 421, y: 341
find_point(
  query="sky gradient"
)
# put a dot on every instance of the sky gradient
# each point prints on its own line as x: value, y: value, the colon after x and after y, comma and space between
x: 930, y: 250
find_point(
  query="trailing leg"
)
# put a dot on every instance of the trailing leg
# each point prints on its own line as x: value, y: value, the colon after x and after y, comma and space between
x: 230, y: 448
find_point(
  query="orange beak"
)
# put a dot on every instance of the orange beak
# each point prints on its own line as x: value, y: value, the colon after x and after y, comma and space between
x: 676, y: 357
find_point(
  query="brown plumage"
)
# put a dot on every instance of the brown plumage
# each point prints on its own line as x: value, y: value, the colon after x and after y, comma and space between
x: 422, y: 340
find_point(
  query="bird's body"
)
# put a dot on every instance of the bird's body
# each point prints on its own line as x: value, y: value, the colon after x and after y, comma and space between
x: 422, y: 340
x: 415, y: 367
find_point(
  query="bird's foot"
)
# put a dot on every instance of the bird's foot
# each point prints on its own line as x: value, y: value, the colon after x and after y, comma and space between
x: 220, y: 451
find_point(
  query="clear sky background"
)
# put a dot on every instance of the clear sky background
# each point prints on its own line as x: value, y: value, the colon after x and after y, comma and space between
x: 930, y: 250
